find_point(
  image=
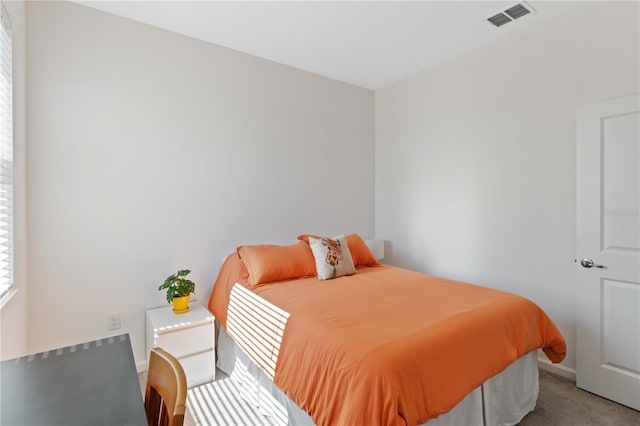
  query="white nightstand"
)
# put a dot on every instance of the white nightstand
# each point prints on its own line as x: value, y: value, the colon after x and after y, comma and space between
x: 189, y: 337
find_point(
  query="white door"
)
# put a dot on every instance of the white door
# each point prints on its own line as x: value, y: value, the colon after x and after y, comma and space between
x: 608, y: 258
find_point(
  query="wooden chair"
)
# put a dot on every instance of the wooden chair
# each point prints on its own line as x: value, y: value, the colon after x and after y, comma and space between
x: 166, y: 393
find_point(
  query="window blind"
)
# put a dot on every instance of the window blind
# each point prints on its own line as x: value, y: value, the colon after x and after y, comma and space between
x: 6, y: 155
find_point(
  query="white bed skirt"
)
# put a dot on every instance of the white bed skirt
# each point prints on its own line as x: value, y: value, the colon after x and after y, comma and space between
x: 502, y: 400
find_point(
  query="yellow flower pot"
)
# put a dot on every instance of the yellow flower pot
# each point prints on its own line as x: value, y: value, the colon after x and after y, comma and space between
x: 181, y: 304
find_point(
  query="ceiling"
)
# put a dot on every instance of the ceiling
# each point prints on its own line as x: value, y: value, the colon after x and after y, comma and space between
x: 368, y: 44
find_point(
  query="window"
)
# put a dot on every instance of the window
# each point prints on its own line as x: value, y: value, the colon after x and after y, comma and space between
x: 6, y: 156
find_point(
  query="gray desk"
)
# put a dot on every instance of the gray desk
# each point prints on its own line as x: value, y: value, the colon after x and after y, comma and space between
x: 93, y: 383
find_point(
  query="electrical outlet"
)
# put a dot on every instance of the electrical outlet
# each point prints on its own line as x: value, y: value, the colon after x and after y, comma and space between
x: 113, y: 321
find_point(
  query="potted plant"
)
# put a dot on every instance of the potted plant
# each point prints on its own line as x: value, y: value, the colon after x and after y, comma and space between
x: 179, y: 290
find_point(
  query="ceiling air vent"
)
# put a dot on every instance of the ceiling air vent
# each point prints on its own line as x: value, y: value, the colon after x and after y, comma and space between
x: 499, y: 19
x: 510, y: 14
x: 516, y: 11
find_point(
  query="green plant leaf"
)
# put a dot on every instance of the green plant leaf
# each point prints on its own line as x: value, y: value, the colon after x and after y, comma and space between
x: 178, y: 286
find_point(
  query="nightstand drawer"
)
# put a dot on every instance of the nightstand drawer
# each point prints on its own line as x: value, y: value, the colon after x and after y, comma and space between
x: 199, y: 368
x: 187, y: 342
x: 189, y: 337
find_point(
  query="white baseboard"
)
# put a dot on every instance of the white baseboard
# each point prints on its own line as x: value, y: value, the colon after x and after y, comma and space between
x: 559, y: 369
x: 141, y: 366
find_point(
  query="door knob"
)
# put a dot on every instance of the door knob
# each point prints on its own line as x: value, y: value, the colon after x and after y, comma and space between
x: 588, y: 263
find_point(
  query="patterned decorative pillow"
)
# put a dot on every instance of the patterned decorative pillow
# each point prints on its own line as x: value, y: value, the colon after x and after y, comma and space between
x: 333, y: 258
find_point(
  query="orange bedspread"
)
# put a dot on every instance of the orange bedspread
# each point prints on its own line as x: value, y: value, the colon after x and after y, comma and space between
x: 389, y: 346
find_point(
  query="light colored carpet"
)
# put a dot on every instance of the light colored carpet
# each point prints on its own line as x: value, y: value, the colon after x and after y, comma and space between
x: 220, y: 403
x: 560, y: 403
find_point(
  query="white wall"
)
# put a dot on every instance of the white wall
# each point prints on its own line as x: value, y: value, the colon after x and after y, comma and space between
x: 476, y: 159
x: 14, y: 315
x: 150, y: 151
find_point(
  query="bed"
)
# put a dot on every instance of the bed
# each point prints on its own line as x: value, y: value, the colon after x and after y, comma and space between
x: 383, y: 346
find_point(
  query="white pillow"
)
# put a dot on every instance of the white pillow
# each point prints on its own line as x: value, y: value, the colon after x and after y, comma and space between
x: 333, y: 258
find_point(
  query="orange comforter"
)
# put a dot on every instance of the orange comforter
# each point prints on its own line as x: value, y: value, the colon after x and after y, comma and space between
x: 389, y: 346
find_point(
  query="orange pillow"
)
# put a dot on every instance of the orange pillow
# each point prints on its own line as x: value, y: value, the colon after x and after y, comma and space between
x: 360, y: 252
x: 271, y: 263
x: 305, y: 237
